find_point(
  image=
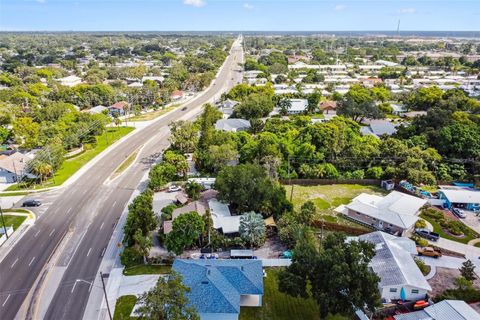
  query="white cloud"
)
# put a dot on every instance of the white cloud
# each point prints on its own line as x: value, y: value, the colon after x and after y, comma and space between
x: 194, y: 3
x: 407, y: 11
x: 248, y: 6
x: 340, y: 7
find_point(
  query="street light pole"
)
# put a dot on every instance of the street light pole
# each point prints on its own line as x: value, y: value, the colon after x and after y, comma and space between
x: 3, y: 222
x: 106, y: 299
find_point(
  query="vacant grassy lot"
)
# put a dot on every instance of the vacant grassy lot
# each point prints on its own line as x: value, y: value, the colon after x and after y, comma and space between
x: 328, y: 197
x: 147, y: 269
x: 124, y: 307
x: 279, y: 306
x: 152, y: 114
x: 14, y: 221
x: 70, y: 166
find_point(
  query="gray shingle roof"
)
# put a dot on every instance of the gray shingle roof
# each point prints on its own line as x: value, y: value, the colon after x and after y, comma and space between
x: 392, y: 263
x: 232, y: 124
x: 216, y: 285
x: 444, y: 310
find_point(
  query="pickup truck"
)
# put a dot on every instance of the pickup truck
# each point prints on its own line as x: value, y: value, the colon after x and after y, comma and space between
x: 424, y: 233
x: 429, y: 252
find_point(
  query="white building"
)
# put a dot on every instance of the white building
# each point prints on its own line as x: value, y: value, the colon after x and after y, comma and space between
x: 70, y: 81
x: 400, y: 277
x: 298, y: 106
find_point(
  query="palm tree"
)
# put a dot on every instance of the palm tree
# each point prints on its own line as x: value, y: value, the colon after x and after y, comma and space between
x: 252, y: 228
x: 284, y: 105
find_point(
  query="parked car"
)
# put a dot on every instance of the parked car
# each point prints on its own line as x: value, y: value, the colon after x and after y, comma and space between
x: 31, y: 203
x: 174, y: 188
x: 459, y: 213
x: 424, y: 233
x: 429, y: 252
x: 184, y: 108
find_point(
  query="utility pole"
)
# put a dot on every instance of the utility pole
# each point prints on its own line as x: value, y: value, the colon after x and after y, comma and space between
x: 106, y: 299
x: 3, y: 222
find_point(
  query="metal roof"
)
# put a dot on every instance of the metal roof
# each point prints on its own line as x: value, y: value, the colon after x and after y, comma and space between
x: 443, y: 310
x: 461, y: 195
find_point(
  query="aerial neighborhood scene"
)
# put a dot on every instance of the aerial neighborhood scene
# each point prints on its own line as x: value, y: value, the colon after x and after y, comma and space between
x: 239, y: 160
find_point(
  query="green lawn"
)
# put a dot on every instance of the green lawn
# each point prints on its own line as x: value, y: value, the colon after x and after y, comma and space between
x: 327, y: 197
x: 10, y: 220
x: 279, y: 306
x: 125, y: 164
x: 147, y: 269
x: 70, y: 166
x: 124, y: 307
x: 13, y: 194
x: 152, y: 114
x: 438, y: 229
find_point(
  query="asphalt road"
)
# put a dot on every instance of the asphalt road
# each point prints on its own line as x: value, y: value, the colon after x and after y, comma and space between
x: 89, y: 209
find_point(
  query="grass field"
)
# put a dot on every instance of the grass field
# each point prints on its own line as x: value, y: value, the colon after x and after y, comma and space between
x: 125, y: 164
x: 124, y: 307
x: 279, y: 306
x: 327, y: 197
x: 152, y: 114
x: 10, y: 220
x: 70, y: 166
x: 147, y: 269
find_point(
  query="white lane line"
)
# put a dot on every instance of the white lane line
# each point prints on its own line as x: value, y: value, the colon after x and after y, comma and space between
x: 8, y: 297
x: 114, y: 203
x: 51, y: 233
x: 101, y: 227
x: 89, y: 250
x: 68, y: 211
x: 13, y: 263
x: 36, y: 234
x: 31, y: 261
x: 73, y: 286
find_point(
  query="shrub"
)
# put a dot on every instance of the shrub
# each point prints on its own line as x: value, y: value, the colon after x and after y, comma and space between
x: 420, y: 224
x: 167, y: 212
x: 422, y: 266
x: 131, y: 257
x: 433, y: 213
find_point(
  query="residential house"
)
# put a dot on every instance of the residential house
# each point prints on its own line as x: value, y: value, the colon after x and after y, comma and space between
x: 176, y: 95
x: 227, y: 107
x: 395, y: 213
x: 96, y: 110
x: 70, y: 81
x: 378, y: 128
x: 218, y: 288
x: 462, y: 198
x: 398, y: 109
x: 222, y: 217
x: 443, y: 310
x: 233, y: 125
x: 400, y: 277
x: 328, y: 107
x: 298, y: 106
x: 157, y: 79
x: 14, y: 167
x: 118, y: 108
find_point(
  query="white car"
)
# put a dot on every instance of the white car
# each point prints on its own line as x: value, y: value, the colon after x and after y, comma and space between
x: 174, y: 188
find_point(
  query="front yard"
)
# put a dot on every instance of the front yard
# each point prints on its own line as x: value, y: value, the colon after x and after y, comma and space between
x: 124, y: 307
x: 147, y: 269
x: 328, y: 197
x: 280, y: 306
x: 11, y: 220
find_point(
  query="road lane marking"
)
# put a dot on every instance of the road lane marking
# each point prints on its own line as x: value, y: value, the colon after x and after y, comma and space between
x: 31, y: 261
x: 114, y: 203
x: 74, y: 286
x: 68, y: 211
x: 101, y: 227
x: 8, y: 297
x: 88, y: 253
x: 51, y: 233
x: 13, y: 263
x: 36, y: 234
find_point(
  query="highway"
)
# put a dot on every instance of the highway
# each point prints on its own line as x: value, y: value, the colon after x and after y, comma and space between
x: 86, y: 212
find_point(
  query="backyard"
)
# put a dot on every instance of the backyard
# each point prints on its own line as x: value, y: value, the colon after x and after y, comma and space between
x: 70, y: 166
x: 280, y: 306
x: 328, y: 197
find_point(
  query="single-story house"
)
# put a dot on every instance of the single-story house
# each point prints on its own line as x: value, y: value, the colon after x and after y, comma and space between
x: 70, y: 81
x: 398, y: 109
x: 467, y: 199
x: 233, y: 125
x: 400, y: 277
x: 328, y: 106
x: 443, y: 310
x: 206, y: 183
x: 96, y: 110
x: 227, y: 107
x: 14, y: 167
x: 157, y: 79
x: 218, y: 288
x: 395, y: 213
x: 222, y: 217
x: 176, y: 95
x: 379, y: 128
x: 298, y: 106
x: 118, y: 108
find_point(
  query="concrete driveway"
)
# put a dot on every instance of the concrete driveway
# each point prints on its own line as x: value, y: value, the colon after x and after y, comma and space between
x: 472, y: 220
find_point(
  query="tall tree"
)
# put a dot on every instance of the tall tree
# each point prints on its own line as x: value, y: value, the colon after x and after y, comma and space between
x: 186, y: 230
x: 252, y: 228
x: 468, y: 270
x: 167, y: 300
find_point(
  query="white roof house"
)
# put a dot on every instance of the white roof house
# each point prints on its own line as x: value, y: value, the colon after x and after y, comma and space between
x: 461, y: 195
x: 443, y: 310
x: 398, y: 209
x: 222, y: 218
x: 96, y: 109
x: 298, y: 106
x: 70, y: 81
x: 394, y: 264
x: 232, y: 125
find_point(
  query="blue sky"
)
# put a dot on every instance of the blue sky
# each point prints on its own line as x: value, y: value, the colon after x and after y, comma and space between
x: 199, y: 15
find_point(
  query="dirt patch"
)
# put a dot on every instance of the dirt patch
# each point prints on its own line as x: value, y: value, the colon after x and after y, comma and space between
x: 444, y: 278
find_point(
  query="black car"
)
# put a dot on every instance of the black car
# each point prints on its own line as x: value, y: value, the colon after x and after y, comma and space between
x: 31, y: 203
x: 424, y: 233
x: 184, y: 108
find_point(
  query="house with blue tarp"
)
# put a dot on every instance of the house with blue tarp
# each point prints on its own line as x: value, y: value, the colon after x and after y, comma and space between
x: 467, y: 199
x: 218, y: 288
